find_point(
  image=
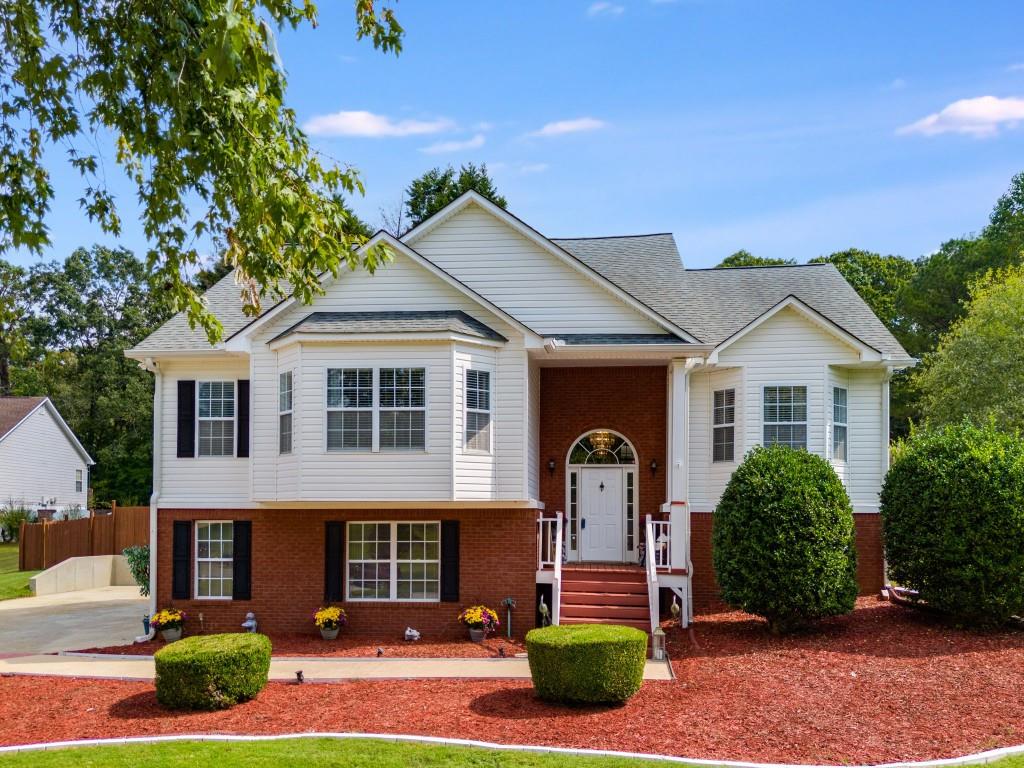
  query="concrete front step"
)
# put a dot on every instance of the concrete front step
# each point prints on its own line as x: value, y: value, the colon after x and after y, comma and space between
x: 645, y: 625
x: 604, y: 598
x: 640, y: 612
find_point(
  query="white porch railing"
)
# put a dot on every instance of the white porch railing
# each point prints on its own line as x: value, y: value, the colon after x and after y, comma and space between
x: 653, y: 591
x: 659, y: 543
x: 549, y: 555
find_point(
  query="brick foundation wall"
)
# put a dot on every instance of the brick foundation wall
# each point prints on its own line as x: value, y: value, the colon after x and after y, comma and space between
x: 870, y: 559
x: 631, y: 401
x: 497, y: 559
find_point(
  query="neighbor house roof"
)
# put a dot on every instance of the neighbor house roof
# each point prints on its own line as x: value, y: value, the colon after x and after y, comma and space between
x: 14, y: 410
x: 714, y: 304
x: 416, y: 321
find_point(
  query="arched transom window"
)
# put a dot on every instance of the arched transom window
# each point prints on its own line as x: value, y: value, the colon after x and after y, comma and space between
x: 602, y: 447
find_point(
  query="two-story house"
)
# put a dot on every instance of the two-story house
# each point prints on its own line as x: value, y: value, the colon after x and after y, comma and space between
x: 408, y: 443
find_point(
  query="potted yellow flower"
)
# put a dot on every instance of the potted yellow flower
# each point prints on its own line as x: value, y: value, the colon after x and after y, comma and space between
x: 480, y: 620
x: 329, y: 621
x: 169, y: 622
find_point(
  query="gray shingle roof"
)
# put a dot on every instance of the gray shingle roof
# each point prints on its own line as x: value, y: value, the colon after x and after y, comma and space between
x: 419, y: 321
x: 713, y: 304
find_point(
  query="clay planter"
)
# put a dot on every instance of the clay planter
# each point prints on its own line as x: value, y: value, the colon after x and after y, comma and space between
x: 330, y: 634
x: 476, y: 635
x: 170, y: 635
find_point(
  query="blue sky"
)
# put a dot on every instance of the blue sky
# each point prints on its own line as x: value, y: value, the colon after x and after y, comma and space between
x: 791, y: 129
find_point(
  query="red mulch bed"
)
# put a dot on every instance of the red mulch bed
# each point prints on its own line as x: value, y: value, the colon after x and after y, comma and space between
x: 314, y: 645
x: 883, y: 684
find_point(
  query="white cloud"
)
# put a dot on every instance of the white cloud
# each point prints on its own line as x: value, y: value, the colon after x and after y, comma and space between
x: 442, y: 147
x: 604, y: 8
x: 530, y: 168
x: 1016, y: 67
x: 980, y: 117
x: 897, y: 85
x: 368, y: 124
x: 484, y: 126
x: 562, y: 127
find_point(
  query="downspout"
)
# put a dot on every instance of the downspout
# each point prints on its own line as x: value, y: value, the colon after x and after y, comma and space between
x: 150, y: 365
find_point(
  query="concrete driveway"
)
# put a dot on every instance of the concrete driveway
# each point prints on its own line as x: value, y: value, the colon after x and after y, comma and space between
x: 71, y: 621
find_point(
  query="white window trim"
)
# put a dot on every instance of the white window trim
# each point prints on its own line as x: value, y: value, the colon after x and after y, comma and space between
x: 844, y: 424
x: 393, y: 524
x: 714, y: 426
x: 234, y: 419
x: 807, y: 413
x: 466, y: 410
x: 79, y: 481
x: 286, y: 412
x: 376, y: 409
x: 196, y: 559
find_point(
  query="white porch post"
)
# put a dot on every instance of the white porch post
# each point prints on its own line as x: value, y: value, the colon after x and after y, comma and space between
x: 678, y: 463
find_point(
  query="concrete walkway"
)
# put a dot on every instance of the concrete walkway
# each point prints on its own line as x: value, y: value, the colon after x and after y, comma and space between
x: 314, y: 669
x: 88, y: 618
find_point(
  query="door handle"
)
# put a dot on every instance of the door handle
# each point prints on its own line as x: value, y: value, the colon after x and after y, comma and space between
x: 583, y: 523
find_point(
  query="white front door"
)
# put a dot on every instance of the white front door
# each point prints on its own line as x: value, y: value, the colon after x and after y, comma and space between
x: 601, y: 513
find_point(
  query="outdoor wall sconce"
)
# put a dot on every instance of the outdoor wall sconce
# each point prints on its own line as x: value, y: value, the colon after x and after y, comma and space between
x: 551, y: 466
x: 654, y: 466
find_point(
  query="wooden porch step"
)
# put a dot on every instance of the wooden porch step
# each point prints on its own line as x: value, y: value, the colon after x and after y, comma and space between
x: 603, y: 598
x: 644, y: 624
x: 610, y: 587
x: 609, y: 612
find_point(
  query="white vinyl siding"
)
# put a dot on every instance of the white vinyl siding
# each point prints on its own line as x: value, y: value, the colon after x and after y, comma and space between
x: 542, y: 291
x: 708, y: 477
x: 38, y: 463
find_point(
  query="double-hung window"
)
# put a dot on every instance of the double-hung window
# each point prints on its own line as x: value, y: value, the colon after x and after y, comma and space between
x: 478, y: 410
x: 216, y: 422
x: 839, y: 423
x: 215, y: 559
x: 394, y: 561
x: 785, y: 416
x: 79, y: 478
x: 350, y: 409
x: 724, y: 432
x: 403, y: 408
x: 284, y: 412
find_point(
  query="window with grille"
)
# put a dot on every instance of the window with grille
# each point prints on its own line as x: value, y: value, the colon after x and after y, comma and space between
x: 403, y: 408
x: 214, y: 559
x: 724, y: 428
x: 284, y: 409
x: 839, y: 424
x: 785, y: 416
x: 350, y: 409
x: 216, y: 422
x: 478, y: 410
x: 394, y: 561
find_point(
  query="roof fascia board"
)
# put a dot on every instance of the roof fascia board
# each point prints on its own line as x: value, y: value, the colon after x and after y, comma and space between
x: 866, y: 351
x: 416, y: 337
x: 524, y: 229
x: 52, y: 410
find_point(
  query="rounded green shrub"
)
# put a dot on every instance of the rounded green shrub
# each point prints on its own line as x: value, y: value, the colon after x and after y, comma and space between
x: 212, y: 671
x: 953, y: 521
x: 783, y: 539
x: 586, y: 663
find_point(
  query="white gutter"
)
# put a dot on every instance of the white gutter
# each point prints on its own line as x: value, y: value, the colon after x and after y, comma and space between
x: 150, y: 365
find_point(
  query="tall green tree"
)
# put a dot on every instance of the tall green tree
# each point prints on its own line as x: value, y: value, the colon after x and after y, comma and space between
x: 439, y: 186
x: 744, y: 258
x: 192, y: 93
x: 14, y: 309
x: 88, y: 310
x: 977, y: 371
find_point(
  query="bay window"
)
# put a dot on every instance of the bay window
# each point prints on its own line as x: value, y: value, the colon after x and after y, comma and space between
x: 373, y: 409
x: 839, y: 425
x: 478, y: 411
x: 350, y: 409
x: 724, y: 430
x: 284, y: 409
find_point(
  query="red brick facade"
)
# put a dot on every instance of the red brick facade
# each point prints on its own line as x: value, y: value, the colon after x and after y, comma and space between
x: 631, y: 401
x: 497, y: 559
x: 870, y: 561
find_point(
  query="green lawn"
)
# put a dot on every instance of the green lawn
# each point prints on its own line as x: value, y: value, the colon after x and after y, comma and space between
x: 13, y: 583
x: 362, y: 753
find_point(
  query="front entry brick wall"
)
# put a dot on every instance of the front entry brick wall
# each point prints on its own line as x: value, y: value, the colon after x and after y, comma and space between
x: 497, y: 559
x: 631, y: 401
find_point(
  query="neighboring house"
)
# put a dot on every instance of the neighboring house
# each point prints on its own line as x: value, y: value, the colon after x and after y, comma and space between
x: 393, y: 445
x: 43, y: 467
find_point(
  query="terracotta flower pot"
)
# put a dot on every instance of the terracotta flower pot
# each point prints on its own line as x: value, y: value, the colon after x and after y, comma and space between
x: 330, y: 634
x: 170, y: 635
x: 476, y: 635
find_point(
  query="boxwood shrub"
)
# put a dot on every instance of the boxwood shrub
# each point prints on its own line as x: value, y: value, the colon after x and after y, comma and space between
x: 586, y: 663
x: 783, y: 539
x: 953, y: 521
x: 212, y: 671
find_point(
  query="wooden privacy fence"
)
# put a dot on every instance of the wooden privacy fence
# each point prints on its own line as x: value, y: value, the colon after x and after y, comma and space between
x: 43, y: 545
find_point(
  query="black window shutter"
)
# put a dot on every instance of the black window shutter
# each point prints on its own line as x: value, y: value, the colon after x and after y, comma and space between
x: 450, y: 561
x: 242, y: 567
x: 186, y: 419
x: 242, y: 412
x: 181, y: 580
x: 334, y: 562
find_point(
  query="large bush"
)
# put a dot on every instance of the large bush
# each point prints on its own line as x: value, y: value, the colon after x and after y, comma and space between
x: 953, y: 521
x: 213, y: 671
x: 783, y: 539
x: 586, y: 663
